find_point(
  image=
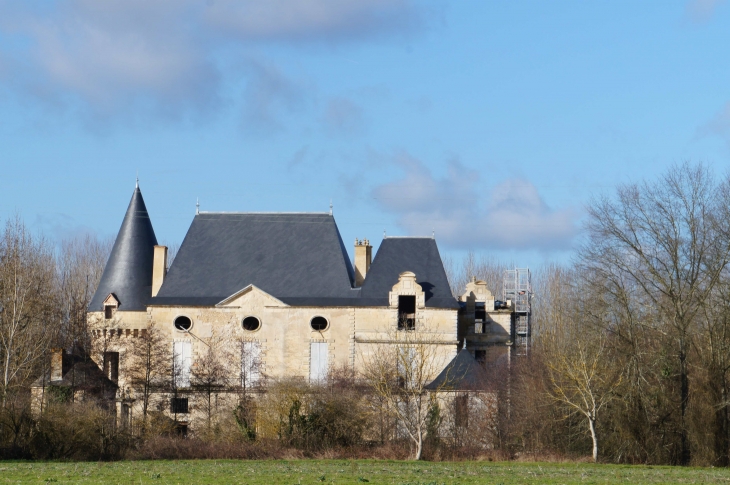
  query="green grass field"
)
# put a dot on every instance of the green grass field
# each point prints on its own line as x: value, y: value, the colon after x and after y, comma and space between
x: 348, y: 472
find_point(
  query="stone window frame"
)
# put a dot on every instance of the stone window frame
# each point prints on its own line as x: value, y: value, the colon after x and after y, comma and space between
x: 192, y: 323
x: 261, y: 323
x: 327, y: 327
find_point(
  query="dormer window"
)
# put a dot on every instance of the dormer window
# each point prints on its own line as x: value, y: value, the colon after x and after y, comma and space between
x: 406, y: 312
x: 480, y: 314
x: 110, y: 306
x: 405, y: 297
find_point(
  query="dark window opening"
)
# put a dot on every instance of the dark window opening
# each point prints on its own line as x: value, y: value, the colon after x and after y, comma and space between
x: 480, y: 313
x: 111, y: 366
x: 318, y: 323
x: 251, y: 324
x: 181, y: 430
x: 461, y: 411
x: 179, y: 405
x: 480, y: 356
x: 406, y: 312
x: 183, y: 323
x: 108, y: 312
x: 125, y: 416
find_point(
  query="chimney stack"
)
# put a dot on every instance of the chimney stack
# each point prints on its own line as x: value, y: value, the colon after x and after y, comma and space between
x: 363, y: 258
x: 159, y: 268
x: 56, y: 364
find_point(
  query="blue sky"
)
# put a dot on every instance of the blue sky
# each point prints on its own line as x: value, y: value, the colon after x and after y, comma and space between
x: 491, y: 124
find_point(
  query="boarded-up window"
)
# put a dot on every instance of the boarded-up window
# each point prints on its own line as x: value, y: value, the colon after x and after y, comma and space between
x: 179, y: 405
x: 250, y: 364
x: 182, y: 361
x: 461, y: 411
x: 111, y: 366
x: 318, y: 359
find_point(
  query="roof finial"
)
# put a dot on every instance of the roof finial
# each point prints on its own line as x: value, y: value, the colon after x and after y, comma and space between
x: 330, y: 206
x: 384, y: 235
x: 464, y: 346
x: 433, y: 233
x: 197, y: 206
x: 136, y: 185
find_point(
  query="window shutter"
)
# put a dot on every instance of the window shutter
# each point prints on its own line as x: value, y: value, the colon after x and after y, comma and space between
x: 318, y: 361
x: 182, y: 360
x: 250, y: 364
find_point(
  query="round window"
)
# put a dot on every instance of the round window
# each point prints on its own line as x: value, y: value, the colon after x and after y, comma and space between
x: 183, y: 323
x: 318, y: 323
x: 251, y: 324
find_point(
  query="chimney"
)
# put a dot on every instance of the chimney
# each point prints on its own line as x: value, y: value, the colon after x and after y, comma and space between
x: 159, y: 268
x: 363, y: 257
x: 56, y: 364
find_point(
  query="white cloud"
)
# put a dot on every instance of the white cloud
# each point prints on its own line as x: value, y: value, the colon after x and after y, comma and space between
x: 718, y: 125
x: 465, y: 212
x: 114, y: 57
x: 269, y: 95
x: 701, y: 11
x: 342, y: 116
x: 287, y: 20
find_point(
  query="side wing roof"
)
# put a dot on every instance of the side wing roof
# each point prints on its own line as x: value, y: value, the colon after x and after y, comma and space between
x: 463, y: 373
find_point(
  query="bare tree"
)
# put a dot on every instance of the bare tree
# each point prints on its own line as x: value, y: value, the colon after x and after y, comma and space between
x: 28, y: 305
x: 172, y: 250
x: 667, y: 243
x: 581, y: 374
x: 483, y: 267
x: 151, y: 364
x: 398, y: 369
x: 80, y: 265
x: 211, y: 374
x: 580, y: 371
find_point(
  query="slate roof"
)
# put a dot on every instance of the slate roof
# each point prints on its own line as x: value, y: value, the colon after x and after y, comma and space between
x: 298, y: 258
x: 128, y: 272
x: 81, y: 375
x: 295, y: 257
x: 417, y: 254
x: 463, y: 373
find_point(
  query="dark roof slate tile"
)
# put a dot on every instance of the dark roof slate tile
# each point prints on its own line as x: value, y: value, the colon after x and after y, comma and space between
x: 128, y: 272
x: 419, y: 255
x: 285, y: 255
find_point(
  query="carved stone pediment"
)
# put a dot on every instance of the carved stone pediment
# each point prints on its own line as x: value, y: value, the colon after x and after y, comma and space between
x: 250, y: 296
x: 407, y: 285
x: 476, y: 291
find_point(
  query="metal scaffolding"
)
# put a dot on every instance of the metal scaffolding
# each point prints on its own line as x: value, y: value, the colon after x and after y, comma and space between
x: 517, y: 286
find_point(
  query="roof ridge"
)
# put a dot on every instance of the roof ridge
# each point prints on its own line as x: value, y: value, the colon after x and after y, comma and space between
x: 265, y: 213
x: 409, y: 237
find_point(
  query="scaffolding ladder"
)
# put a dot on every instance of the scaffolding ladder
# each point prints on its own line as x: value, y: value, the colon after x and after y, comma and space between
x: 517, y: 287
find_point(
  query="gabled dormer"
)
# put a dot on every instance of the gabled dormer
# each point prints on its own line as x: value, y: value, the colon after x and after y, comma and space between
x: 111, y: 304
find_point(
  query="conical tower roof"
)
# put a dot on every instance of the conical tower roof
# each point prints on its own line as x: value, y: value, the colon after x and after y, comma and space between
x: 128, y: 272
